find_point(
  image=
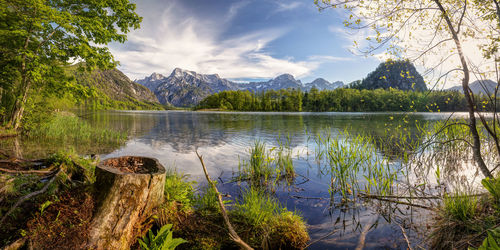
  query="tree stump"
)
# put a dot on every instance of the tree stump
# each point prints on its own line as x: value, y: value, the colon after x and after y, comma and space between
x: 128, y: 189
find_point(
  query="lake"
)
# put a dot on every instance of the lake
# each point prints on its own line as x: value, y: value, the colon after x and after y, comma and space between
x: 224, y: 139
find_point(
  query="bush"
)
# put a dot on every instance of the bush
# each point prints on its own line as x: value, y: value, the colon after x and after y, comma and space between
x: 162, y: 240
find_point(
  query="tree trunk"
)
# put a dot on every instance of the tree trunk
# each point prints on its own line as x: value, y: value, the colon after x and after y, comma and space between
x: 476, y: 142
x: 19, y: 107
x: 128, y: 188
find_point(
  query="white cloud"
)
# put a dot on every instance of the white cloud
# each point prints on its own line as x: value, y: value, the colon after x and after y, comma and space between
x: 169, y: 40
x: 235, y: 8
x: 287, y: 6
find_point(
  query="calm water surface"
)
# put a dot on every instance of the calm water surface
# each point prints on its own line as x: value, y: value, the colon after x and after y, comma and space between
x: 224, y: 139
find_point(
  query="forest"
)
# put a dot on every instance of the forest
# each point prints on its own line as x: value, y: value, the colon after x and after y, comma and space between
x: 343, y: 100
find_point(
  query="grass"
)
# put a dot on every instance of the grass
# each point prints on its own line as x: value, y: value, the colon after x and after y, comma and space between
x: 257, y: 216
x: 459, y: 206
x: 266, y: 167
x: 178, y: 189
x: 464, y: 221
x: 267, y: 223
x: 66, y: 127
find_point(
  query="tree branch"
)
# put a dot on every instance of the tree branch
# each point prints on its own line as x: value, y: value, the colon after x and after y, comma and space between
x: 232, y: 233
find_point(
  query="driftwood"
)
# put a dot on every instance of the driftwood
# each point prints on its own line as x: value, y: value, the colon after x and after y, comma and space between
x: 232, y: 233
x: 128, y: 188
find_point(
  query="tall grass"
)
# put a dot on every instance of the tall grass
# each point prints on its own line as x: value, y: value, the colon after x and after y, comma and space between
x: 267, y: 224
x: 258, y: 207
x: 66, y: 127
x: 268, y: 166
x: 177, y: 189
x: 459, y: 206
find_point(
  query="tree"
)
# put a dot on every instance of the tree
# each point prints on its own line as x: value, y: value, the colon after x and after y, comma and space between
x: 38, y: 36
x: 433, y: 32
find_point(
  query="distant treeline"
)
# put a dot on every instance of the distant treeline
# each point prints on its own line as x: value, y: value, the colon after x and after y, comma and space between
x: 341, y: 100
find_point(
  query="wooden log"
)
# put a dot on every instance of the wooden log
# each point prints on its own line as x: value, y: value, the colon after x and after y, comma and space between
x: 128, y: 189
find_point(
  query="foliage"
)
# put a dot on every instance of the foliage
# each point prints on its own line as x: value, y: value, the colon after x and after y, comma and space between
x: 492, y: 241
x: 163, y: 240
x: 38, y: 37
x: 396, y: 74
x: 74, y: 166
x: 493, y: 187
x: 342, y: 100
x: 178, y: 190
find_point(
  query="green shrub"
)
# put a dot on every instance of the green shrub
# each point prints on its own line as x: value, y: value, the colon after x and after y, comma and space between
x: 162, y: 240
x: 492, y: 241
x: 493, y: 187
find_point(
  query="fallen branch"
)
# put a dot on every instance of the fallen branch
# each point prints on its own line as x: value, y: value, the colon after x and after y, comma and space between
x: 40, y: 171
x: 309, y: 198
x: 364, y: 232
x: 372, y: 196
x: 29, y: 196
x: 406, y: 237
x: 16, y: 244
x: 322, y: 238
x: 232, y: 234
x: 397, y: 202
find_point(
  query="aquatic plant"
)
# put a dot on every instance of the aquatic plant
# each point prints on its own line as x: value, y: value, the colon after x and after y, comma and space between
x: 66, y: 127
x: 268, y: 166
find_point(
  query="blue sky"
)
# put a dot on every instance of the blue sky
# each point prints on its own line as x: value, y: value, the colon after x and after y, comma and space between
x: 242, y: 40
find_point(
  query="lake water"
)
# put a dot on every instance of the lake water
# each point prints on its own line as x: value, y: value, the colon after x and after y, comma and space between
x: 224, y: 140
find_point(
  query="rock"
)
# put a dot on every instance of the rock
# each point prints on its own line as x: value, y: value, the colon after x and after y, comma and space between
x: 128, y: 189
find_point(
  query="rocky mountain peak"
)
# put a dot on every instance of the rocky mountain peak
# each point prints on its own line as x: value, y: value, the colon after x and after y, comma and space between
x: 156, y: 77
x: 320, y: 81
x: 285, y: 77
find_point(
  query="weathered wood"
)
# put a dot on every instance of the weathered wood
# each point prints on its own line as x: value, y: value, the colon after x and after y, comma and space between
x: 128, y: 189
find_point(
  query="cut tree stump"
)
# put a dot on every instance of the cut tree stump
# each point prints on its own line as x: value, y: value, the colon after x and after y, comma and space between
x: 128, y: 189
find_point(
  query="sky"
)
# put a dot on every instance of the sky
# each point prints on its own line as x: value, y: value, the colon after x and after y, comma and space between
x: 247, y: 40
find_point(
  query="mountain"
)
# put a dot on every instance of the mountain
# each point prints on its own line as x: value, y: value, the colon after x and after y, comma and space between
x: 399, y: 74
x: 322, y: 84
x: 479, y: 87
x: 188, y: 88
x: 113, y: 89
x: 284, y: 81
x: 152, y: 82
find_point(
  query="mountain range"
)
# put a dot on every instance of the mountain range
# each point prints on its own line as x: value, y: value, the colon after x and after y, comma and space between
x: 479, y: 87
x: 187, y: 88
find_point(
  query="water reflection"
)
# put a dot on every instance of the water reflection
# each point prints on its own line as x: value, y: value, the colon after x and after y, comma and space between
x: 224, y: 138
